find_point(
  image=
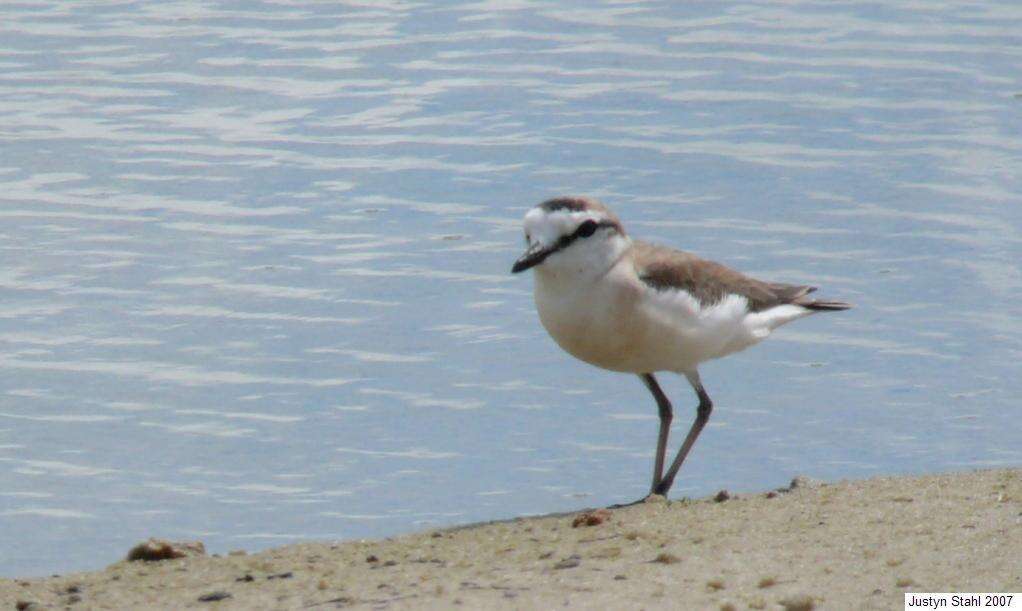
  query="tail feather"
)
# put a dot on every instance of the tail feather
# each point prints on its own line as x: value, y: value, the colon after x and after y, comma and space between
x: 799, y: 295
x: 824, y: 306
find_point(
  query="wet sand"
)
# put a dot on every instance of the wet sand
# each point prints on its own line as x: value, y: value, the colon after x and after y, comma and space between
x: 859, y: 544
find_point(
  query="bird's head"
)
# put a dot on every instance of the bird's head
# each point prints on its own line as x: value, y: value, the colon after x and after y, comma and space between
x: 571, y: 233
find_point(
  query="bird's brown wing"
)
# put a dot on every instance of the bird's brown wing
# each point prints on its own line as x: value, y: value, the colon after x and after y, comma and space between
x: 710, y: 282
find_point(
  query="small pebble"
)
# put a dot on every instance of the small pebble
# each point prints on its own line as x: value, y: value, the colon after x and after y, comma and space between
x: 214, y: 596
x: 800, y: 602
x: 591, y: 518
x: 569, y: 563
x: 802, y: 481
x: 155, y: 550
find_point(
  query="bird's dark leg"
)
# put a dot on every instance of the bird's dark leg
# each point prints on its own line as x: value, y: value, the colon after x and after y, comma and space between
x: 702, y: 417
x: 666, y: 415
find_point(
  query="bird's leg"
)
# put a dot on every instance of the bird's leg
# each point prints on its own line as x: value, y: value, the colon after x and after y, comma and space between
x: 702, y: 417
x: 666, y: 415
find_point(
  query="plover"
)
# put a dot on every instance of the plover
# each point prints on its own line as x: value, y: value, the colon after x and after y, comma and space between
x: 635, y: 307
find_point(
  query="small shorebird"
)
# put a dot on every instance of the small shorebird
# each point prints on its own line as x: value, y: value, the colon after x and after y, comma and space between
x: 634, y: 307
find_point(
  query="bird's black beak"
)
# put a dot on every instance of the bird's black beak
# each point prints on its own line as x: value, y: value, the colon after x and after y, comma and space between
x: 532, y: 257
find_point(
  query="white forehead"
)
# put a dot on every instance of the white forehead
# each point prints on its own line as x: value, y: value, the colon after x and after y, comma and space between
x: 547, y: 227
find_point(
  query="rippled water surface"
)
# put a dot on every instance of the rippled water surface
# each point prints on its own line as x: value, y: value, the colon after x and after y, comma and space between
x: 254, y: 284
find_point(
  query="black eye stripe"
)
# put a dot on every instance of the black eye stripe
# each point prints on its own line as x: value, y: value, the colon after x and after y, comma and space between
x: 587, y: 228
x: 584, y: 230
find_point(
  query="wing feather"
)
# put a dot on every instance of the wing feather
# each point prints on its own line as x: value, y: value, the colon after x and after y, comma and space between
x: 710, y: 282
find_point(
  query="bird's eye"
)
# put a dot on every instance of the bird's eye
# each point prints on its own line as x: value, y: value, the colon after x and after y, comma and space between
x: 587, y: 228
x: 527, y: 240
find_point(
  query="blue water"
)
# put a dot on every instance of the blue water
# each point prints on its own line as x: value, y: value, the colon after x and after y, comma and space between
x: 254, y: 284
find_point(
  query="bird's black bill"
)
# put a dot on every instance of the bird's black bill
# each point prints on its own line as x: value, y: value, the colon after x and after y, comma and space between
x: 532, y: 257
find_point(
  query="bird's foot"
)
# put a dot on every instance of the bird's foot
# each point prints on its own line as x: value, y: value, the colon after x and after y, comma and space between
x: 623, y: 505
x: 652, y: 497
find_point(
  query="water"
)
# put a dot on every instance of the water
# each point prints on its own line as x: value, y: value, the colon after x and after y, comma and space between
x: 255, y: 290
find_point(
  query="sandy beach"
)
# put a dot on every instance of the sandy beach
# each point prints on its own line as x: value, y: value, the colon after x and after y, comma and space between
x: 842, y: 545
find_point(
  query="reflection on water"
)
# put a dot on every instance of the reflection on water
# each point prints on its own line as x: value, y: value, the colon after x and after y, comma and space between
x: 254, y: 281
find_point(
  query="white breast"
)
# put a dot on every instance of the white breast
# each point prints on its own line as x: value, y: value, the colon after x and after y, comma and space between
x: 593, y: 319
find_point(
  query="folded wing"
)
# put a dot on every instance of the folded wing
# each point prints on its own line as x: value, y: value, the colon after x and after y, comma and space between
x: 710, y: 282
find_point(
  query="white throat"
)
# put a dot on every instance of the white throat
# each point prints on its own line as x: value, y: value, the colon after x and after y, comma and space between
x: 585, y: 260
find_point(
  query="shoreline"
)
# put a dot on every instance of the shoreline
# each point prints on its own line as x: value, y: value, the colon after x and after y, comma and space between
x: 860, y: 544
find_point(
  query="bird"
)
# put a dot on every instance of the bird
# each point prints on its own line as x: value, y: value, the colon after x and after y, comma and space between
x: 634, y: 307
